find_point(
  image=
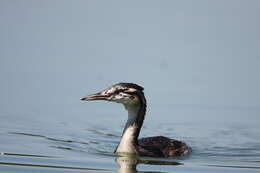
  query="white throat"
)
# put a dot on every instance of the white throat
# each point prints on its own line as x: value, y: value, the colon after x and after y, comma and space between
x: 127, y: 140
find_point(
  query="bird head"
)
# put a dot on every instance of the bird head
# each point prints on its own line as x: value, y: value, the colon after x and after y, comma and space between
x: 128, y: 94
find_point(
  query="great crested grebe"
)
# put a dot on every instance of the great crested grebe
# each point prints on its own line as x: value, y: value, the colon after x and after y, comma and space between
x: 132, y: 97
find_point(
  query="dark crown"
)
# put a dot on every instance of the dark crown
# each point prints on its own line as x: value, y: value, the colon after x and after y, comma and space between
x: 131, y: 85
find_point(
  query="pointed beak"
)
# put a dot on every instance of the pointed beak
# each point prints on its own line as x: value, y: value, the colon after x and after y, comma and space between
x: 97, y: 96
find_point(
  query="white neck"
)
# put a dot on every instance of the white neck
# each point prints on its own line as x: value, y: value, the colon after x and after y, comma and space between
x: 127, y: 140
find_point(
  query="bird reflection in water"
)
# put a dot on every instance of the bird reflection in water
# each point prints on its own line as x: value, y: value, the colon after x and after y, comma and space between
x: 128, y: 162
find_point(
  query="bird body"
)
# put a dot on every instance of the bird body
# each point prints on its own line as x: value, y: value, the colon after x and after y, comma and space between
x: 132, y: 97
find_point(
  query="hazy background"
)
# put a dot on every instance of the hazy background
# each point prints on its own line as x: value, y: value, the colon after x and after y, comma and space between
x: 194, y: 56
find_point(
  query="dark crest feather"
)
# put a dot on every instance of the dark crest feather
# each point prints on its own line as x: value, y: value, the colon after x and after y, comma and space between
x: 131, y: 85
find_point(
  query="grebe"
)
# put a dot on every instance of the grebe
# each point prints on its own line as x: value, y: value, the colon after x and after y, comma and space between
x: 132, y: 97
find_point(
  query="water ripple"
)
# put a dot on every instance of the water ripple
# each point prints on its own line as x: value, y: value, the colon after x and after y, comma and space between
x: 52, y: 166
x: 48, y: 138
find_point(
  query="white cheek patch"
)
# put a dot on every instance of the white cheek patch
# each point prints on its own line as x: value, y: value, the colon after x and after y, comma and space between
x: 121, y: 98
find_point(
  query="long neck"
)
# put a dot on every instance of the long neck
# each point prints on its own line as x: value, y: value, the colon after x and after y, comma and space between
x: 129, y: 139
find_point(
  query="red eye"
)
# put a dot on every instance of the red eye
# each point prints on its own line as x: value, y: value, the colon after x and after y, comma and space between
x: 117, y: 92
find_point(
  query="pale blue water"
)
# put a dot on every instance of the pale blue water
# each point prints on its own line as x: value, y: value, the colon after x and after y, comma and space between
x: 86, y: 142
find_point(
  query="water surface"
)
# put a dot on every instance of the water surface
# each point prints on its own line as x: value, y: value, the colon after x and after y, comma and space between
x: 29, y: 144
